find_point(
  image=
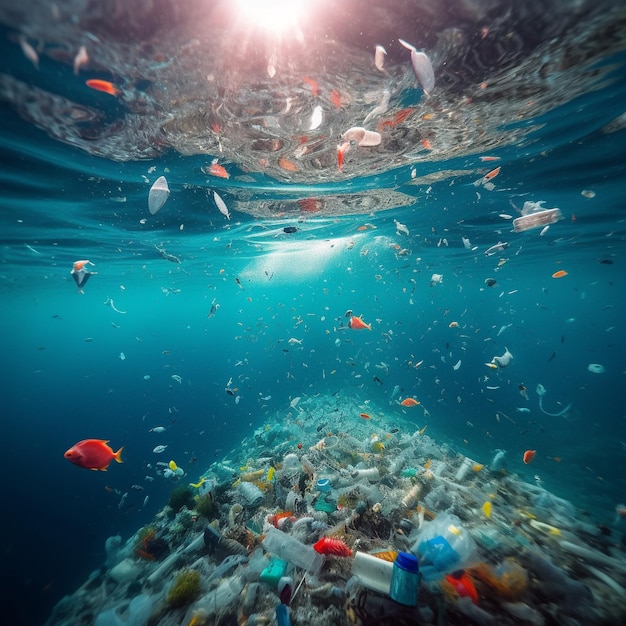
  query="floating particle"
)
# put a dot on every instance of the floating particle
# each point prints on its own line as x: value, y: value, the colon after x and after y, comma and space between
x: 159, y: 193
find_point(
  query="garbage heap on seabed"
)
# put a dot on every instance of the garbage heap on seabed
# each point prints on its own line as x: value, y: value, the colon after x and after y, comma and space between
x: 355, y: 528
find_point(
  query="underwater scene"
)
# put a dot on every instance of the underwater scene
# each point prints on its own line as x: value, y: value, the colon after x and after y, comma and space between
x: 312, y: 312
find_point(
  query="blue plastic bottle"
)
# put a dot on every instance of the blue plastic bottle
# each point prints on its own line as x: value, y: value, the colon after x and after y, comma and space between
x: 405, y: 579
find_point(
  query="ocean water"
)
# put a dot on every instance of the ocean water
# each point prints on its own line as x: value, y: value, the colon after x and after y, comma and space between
x: 242, y: 304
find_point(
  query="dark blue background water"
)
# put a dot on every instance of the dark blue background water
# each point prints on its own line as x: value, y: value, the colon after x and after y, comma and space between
x: 63, y: 380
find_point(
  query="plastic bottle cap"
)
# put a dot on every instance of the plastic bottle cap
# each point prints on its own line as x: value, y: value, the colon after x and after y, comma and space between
x: 407, y: 562
x: 323, y: 485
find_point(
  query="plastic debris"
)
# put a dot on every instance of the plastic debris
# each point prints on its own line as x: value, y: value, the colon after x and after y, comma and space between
x: 159, y: 193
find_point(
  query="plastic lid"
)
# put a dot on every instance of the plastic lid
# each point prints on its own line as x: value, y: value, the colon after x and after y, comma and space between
x: 323, y: 485
x: 407, y: 562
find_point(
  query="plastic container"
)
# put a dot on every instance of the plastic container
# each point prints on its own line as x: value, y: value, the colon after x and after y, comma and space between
x: 325, y: 503
x: 444, y: 546
x: 287, y: 548
x: 273, y: 573
x: 323, y: 485
x: 251, y: 494
x: 405, y: 579
x: 373, y: 573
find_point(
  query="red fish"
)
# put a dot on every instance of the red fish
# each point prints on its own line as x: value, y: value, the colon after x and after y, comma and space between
x: 93, y: 454
x: 463, y: 585
x: 357, y: 323
x: 341, y: 152
x: 336, y: 547
x: 409, y: 402
x: 218, y: 170
x: 103, y: 85
x: 529, y: 455
x: 312, y: 83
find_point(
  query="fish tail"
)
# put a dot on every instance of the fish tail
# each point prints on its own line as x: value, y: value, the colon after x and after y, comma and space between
x: 368, y: 326
x: 118, y: 455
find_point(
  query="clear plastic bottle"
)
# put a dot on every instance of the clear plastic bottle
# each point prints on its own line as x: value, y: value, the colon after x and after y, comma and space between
x: 405, y: 579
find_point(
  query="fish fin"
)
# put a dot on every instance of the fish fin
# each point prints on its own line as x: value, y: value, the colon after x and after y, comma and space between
x: 118, y: 455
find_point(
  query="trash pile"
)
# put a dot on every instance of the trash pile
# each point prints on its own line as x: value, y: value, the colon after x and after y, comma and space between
x: 363, y: 525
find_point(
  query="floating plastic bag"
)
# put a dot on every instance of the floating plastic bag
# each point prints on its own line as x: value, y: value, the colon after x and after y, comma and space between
x: 444, y: 546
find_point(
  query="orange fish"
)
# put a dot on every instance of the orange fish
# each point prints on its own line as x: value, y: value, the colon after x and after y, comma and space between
x: 218, y: 170
x: 335, y: 98
x: 358, y: 324
x: 489, y: 158
x: 559, y: 274
x: 529, y: 455
x: 365, y: 416
x: 103, y: 85
x: 93, y: 454
x: 315, y: 90
x: 341, y: 152
x: 287, y: 165
x: 398, y: 118
x: 409, y: 402
x: 79, y: 265
x: 491, y: 174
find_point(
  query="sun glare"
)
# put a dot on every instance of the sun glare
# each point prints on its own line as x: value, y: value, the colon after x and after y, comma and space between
x: 272, y: 15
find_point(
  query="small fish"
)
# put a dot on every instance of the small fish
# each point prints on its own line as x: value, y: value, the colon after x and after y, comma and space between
x: 423, y: 430
x: 221, y: 205
x: 486, y: 509
x: 316, y: 118
x: 81, y: 59
x: 356, y: 323
x: 453, y: 325
x: 529, y: 455
x: 492, y: 366
x: 217, y: 170
x: 485, y: 180
x: 498, y: 247
x: 365, y: 416
x: 522, y: 409
x: 422, y: 68
x: 172, y: 465
x: 103, y: 85
x: 409, y: 402
x: 159, y: 449
x: 157, y: 429
x: 341, y: 152
x: 379, y: 57
x: 93, y: 454
x: 559, y: 274
x: 29, y: 51
x: 401, y: 228
x: 489, y: 158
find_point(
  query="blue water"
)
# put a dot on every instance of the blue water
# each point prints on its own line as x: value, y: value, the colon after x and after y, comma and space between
x: 63, y: 378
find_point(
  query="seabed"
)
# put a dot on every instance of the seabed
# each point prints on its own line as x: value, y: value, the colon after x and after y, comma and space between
x: 238, y: 550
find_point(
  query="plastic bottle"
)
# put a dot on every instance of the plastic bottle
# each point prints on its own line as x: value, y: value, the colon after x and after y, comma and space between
x: 373, y: 573
x: 405, y: 579
x: 289, y: 549
x: 251, y: 494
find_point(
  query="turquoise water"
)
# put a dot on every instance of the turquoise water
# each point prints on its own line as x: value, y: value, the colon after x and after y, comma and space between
x: 64, y: 380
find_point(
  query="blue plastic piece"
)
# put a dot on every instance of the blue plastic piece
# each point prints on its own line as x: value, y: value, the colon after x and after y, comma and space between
x: 323, y: 485
x: 282, y: 615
